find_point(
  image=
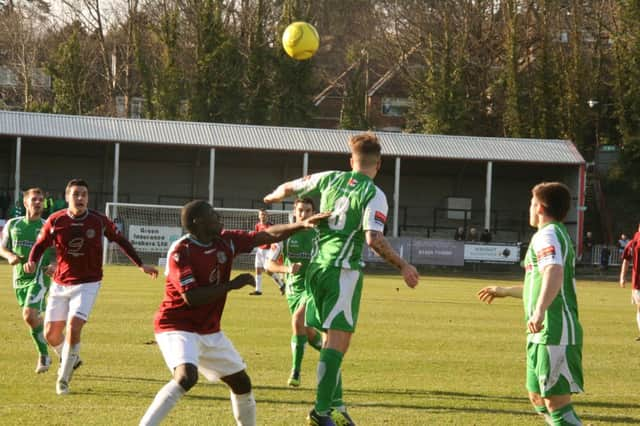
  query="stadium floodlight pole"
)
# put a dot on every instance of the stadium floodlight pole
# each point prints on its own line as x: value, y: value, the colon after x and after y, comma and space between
x: 212, y: 172
x: 396, y: 198
x: 16, y: 190
x: 487, y: 196
x: 305, y: 164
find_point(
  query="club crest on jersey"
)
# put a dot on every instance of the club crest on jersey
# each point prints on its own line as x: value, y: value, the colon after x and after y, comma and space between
x: 352, y: 182
x: 380, y: 218
x: 222, y: 257
x: 90, y: 233
x: 546, y: 252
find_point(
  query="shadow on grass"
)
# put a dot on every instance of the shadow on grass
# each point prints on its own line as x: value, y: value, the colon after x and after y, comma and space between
x: 411, y: 394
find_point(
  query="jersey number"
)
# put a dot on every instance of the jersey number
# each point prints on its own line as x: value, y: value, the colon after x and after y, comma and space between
x: 338, y: 217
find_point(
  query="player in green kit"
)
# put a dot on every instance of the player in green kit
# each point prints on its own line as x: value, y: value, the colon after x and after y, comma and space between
x: 334, y: 276
x: 19, y: 234
x: 554, y: 333
x: 291, y: 257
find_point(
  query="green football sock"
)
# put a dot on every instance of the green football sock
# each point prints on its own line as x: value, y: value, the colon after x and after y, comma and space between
x: 565, y: 416
x: 316, y: 342
x: 544, y: 413
x: 337, y: 394
x: 38, y: 338
x: 328, y: 373
x: 297, y: 350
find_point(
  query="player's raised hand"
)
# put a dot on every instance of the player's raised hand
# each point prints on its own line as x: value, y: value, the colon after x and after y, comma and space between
x: 410, y: 275
x: 312, y: 221
x: 149, y: 270
x: 241, y: 281
x: 487, y: 294
x: 29, y: 267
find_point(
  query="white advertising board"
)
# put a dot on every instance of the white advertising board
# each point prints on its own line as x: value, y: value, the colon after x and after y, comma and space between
x: 153, y: 239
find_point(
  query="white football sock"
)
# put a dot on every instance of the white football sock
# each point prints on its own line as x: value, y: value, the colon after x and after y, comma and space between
x: 259, y: 282
x: 58, y: 349
x: 638, y: 319
x: 244, y: 408
x: 165, y: 400
x: 69, y: 357
x: 278, y: 280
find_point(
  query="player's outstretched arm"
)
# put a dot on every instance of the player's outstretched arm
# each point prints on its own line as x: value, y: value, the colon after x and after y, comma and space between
x: 275, y: 267
x: 280, y: 193
x: 276, y: 233
x: 209, y: 294
x: 623, y: 272
x: 380, y: 245
x: 487, y: 294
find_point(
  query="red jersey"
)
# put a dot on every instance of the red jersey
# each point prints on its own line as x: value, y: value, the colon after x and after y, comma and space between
x: 261, y: 227
x: 631, y: 253
x: 78, y: 244
x: 191, y: 264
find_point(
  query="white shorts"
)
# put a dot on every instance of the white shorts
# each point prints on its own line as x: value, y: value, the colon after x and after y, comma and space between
x: 261, y: 257
x: 68, y: 301
x: 635, y: 297
x: 213, y: 354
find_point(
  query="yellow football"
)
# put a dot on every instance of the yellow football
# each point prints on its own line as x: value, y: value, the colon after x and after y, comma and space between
x: 300, y: 40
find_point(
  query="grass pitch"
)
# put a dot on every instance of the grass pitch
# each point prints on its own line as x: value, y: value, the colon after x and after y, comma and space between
x: 429, y: 356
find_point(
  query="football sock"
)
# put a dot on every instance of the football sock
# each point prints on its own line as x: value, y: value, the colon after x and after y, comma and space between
x: 38, y: 338
x: 638, y: 319
x: 544, y: 413
x: 278, y: 280
x: 328, y: 372
x: 316, y: 341
x: 69, y: 358
x: 244, y: 408
x: 259, y: 282
x: 297, y: 350
x: 165, y: 400
x: 337, y: 402
x: 566, y: 416
x: 58, y: 350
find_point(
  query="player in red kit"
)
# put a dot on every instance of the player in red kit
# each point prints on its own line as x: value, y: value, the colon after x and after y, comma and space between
x: 262, y: 252
x: 187, y: 324
x: 76, y: 234
x: 631, y: 254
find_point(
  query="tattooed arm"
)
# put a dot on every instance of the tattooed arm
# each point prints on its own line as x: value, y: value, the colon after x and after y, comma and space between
x: 380, y: 245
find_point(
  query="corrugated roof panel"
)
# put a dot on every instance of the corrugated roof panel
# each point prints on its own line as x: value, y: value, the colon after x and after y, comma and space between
x: 215, y: 135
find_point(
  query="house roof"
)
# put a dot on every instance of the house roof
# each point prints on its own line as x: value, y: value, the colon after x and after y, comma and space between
x: 289, y: 139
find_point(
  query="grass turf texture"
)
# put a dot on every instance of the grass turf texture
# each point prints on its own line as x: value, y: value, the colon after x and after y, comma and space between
x: 434, y: 355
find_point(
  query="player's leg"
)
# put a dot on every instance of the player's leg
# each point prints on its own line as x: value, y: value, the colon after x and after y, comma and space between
x: 219, y: 359
x: 635, y: 297
x: 334, y: 306
x: 298, y: 338
x: 554, y: 372
x: 82, y: 297
x: 180, y: 352
x: 259, y: 269
x: 31, y: 298
x: 540, y: 407
x: 278, y: 280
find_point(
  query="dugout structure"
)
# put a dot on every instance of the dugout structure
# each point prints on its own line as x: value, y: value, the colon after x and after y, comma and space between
x: 152, y: 228
x: 433, y: 183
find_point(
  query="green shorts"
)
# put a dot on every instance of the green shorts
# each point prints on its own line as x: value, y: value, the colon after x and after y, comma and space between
x: 554, y: 369
x: 32, y: 295
x: 295, y: 300
x: 334, y: 297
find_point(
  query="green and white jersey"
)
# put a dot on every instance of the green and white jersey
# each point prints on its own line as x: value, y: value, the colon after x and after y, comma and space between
x: 298, y: 248
x: 357, y: 205
x: 19, y: 235
x: 551, y: 245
